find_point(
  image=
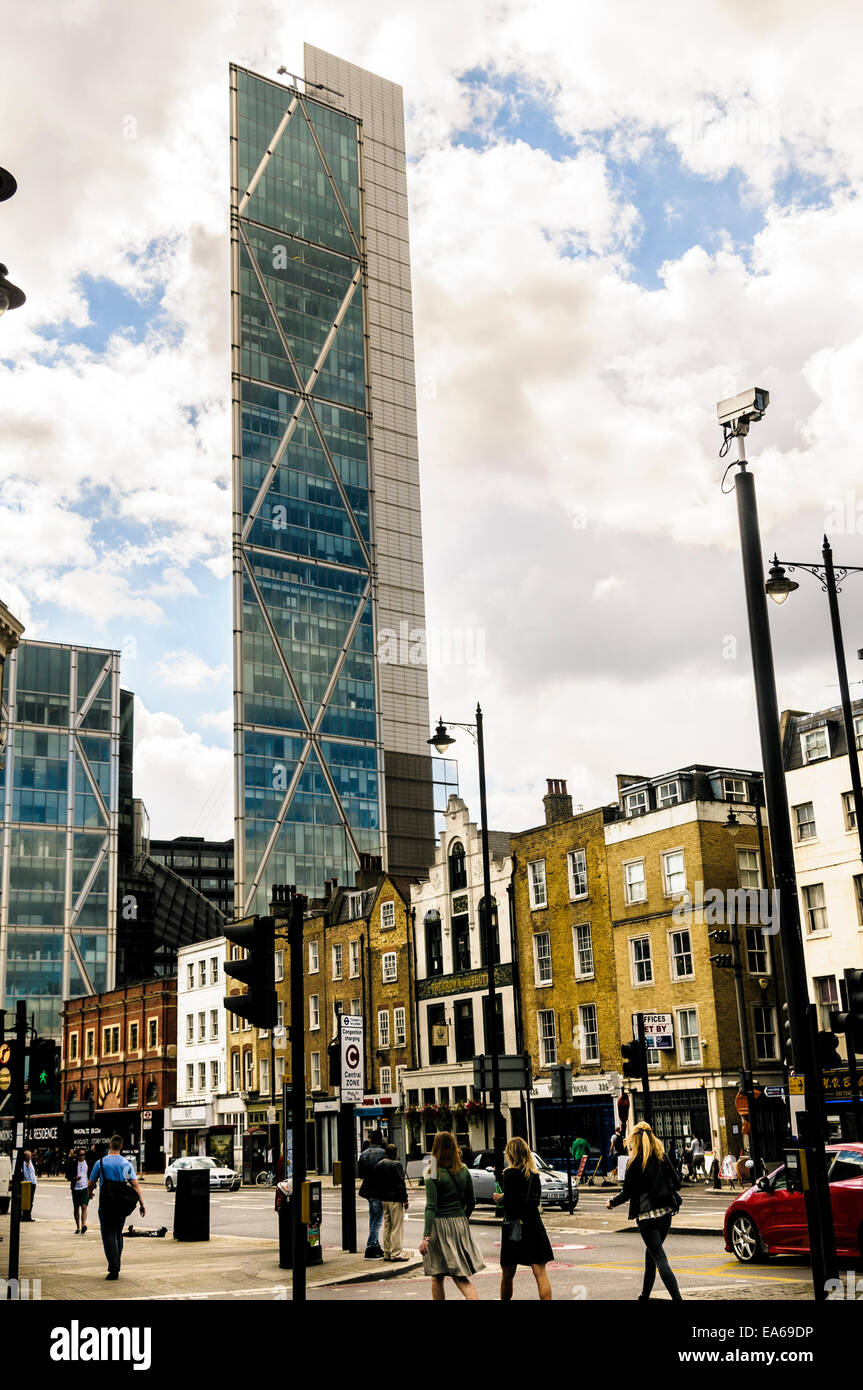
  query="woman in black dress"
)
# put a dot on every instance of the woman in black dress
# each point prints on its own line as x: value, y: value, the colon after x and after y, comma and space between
x: 523, y: 1238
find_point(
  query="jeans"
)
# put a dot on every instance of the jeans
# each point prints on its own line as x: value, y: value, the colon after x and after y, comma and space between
x: 112, y: 1242
x: 653, y: 1234
x: 376, y: 1216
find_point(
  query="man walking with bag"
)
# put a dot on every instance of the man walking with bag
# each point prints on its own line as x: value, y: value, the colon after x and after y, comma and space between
x: 390, y: 1177
x: 366, y: 1166
x: 118, y: 1189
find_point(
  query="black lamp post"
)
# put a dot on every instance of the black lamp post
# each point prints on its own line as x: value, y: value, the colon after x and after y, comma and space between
x: 735, y: 416
x: 10, y: 295
x: 441, y: 741
x: 779, y: 586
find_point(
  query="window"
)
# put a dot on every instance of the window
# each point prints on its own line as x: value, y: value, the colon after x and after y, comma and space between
x: 202, y: 1027
x: 582, y: 950
x: 190, y: 975
x: 190, y: 1076
x: 461, y: 941
x: 858, y: 896
x: 314, y: 1012
x: 748, y: 868
x: 202, y: 973
x: 388, y: 914
x: 815, y: 744
x: 314, y: 962
x: 495, y: 933
x: 850, y: 810
x: 89, y: 1042
x: 214, y: 969
x: 735, y: 789
x: 280, y: 1073
x: 498, y: 1010
x: 355, y: 905
x: 542, y: 958
x: 674, y: 873
x: 465, y: 1047
x: 202, y: 1076
x: 214, y: 1076
x: 434, y: 944
x: 133, y: 1037
x: 110, y: 1040
x: 858, y: 731
x: 235, y: 1071
x: 355, y: 959
x: 248, y: 1072
x: 757, y: 960
x: 280, y: 965
x: 383, y: 1027
x: 765, y: 1032
x: 280, y: 1013
x: 337, y: 961
x: 457, y: 867
x: 356, y: 1008
x: 73, y: 1046
x: 190, y: 1028
x: 400, y: 1080
x: 588, y: 1034
x: 636, y: 803
x: 152, y: 1032
x: 816, y: 910
x: 668, y: 793
x: 386, y: 1081
x: 214, y: 1024
x: 547, y: 1029
x: 642, y: 964
x: 399, y: 1027
x: 264, y: 1075
x: 805, y: 817
x: 681, y: 955
x: 536, y: 884
x: 688, y: 1041
x: 634, y: 885
x: 826, y: 999
x: 151, y: 1095
x: 577, y: 865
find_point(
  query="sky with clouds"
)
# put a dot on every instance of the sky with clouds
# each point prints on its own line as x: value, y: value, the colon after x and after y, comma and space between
x: 619, y: 215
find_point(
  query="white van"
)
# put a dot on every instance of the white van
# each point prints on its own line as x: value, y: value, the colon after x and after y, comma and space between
x: 5, y: 1183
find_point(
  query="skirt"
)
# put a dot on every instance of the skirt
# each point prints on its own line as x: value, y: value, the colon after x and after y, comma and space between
x: 534, y: 1248
x: 452, y: 1249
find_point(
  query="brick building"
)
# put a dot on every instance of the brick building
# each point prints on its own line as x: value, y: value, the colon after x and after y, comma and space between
x: 120, y: 1047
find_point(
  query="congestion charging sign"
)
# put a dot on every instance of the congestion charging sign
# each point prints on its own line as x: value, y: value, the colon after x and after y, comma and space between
x: 351, y: 1029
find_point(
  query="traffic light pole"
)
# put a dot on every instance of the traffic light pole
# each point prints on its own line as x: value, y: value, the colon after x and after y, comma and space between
x: 298, y: 1091
x: 645, y: 1077
x: 348, y: 1156
x: 18, y: 1143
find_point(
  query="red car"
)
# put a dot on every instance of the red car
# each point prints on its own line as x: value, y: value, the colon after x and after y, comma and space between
x: 769, y: 1220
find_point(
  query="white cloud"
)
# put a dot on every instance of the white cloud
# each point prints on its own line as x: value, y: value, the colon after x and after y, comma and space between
x: 185, y: 783
x: 187, y: 671
x: 221, y: 719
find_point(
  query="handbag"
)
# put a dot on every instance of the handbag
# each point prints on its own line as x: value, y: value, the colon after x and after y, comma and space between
x: 511, y: 1231
x: 119, y: 1197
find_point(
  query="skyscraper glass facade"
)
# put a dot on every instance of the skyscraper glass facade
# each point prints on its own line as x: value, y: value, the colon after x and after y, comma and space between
x: 311, y: 741
x: 61, y: 790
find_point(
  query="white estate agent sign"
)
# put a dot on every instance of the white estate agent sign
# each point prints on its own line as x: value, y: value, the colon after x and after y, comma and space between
x: 351, y: 1028
x: 658, y: 1030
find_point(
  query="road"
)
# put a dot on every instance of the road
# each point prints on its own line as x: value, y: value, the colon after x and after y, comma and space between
x: 589, y: 1263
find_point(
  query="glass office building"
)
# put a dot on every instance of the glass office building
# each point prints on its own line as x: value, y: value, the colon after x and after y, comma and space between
x: 61, y: 781
x: 330, y: 740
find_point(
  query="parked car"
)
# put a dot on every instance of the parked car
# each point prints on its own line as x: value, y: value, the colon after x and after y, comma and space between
x: 769, y: 1219
x: 552, y: 1181
x: 220, y: 1177
x: 5, y: 1183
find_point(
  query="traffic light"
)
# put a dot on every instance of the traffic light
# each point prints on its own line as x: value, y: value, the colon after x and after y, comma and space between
x: 43, y: 1069
x: 561, y: 1082
x: 787, y: 1048
x: 827, y: 1052
x: 632, y: 1059
x: 723, y: 960
x: 257, y: 971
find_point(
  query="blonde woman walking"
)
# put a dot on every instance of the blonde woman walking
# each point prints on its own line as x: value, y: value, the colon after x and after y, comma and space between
x: 448, y: 1247
x: 650, y: 1185
x: 524, y: 1240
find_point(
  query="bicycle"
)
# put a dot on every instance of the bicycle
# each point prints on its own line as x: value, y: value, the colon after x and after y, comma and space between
x: 265, y: 1178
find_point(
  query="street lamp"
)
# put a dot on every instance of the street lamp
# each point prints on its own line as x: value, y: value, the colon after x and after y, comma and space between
x: 779, y: 586
x: 10, y: 295
x: 441, y: 740
x: 735, y: 416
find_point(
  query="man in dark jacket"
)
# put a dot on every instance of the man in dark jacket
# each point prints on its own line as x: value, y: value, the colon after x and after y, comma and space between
x: 390, y: 1178
x: 367, y: 1168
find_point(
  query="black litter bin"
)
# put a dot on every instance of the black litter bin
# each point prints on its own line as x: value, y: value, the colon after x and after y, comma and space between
x: 314, y: 1248
x: 192, y: 1204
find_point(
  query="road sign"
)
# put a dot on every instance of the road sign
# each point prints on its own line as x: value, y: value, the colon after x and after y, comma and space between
x: 658, y: 1030
x: 775, y: 1091
x: 795, y: 1086
x: 351, y: 1032
x: 513, y: 1072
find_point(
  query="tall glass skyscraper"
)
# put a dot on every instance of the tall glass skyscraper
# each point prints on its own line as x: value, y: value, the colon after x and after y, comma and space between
x: 330, y: 733
x: 61, y: 783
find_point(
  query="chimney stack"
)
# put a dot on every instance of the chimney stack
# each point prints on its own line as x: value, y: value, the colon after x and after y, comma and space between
x: 557, y: 801
x: 369, y: 872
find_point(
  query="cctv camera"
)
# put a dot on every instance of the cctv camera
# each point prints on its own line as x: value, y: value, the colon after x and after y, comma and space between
x: 739, y: 411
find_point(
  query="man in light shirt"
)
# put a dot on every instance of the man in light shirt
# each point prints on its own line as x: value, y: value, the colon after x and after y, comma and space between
x: 28, y: 1174
x: 78, y: 1178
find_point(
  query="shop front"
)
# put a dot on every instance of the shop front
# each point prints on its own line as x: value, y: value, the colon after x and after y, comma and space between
x: 591, y: 1114
x: 142, y: 1133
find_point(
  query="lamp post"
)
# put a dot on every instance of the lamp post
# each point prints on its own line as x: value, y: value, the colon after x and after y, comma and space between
x: 10, y: 295
x: 735, y: 416
x: 779, y: 586
x: 441, y: 741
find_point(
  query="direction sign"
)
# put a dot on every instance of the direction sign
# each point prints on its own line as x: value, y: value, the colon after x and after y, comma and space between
x: 351, y: 1033
x: 658, y: 1030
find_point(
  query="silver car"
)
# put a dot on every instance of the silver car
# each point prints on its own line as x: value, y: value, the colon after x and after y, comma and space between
x: 553, y: 1183
x: 220, y: 1177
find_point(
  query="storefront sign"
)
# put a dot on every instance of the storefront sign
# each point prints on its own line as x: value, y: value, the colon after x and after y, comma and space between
x: 326, y: 1107
x: 188, y: 1115
x: 606, y: 1085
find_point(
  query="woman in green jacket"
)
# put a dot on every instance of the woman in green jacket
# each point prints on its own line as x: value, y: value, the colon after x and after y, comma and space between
x: 448, y: 1247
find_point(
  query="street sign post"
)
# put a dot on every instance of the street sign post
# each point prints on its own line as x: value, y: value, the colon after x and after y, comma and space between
x: 351, y: 1037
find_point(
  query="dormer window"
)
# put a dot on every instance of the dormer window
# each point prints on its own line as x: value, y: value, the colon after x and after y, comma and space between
x: 815, y: 744
x: 636, y: 803
x: 668, y: 793
x: 735, y: 789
